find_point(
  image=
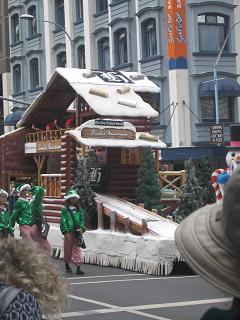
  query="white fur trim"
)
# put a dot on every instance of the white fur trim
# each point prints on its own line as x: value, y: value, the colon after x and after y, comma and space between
x: 4, y: 192
x: 71, y: 196
x: 25, y: 186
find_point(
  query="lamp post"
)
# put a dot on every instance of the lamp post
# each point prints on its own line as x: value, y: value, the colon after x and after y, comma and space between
x: 29, y: 17
x: 215, y: 71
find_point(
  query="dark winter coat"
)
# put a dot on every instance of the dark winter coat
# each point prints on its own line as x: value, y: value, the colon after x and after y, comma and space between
x: 218, y: 314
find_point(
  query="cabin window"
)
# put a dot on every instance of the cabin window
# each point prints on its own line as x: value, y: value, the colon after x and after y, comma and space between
x: 131, y: 156
x: 81, y: 57
x: 32, y: 24
x: 34, y: 73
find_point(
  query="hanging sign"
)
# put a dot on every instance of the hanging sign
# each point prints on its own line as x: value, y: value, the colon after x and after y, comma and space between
x: 216, y: 134
x: 176, y: 34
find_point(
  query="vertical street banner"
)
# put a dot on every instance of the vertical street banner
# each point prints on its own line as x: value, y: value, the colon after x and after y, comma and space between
x: 176, y: 34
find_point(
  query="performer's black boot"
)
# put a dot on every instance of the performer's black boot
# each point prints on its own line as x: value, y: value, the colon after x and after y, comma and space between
x: 68, y: 268
x: 79, y: 271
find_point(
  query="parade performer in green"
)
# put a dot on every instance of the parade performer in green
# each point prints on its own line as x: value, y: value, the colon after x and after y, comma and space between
x: 72, y: 227
x: 5, y: 225
x: 27, y: 214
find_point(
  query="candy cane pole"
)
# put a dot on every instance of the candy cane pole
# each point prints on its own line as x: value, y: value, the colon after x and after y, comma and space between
x: 216, y: 187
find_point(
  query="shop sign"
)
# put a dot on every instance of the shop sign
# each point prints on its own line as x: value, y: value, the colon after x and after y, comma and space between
x: 48, y: 146
x: 97, y: 176
x: 30, y: 147
x: 108, y: 133
x: 216, y: 134
x: 115, y: 123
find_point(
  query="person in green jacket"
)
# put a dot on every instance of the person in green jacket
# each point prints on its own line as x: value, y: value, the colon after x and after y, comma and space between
x: 72, y: 226
x: 5, y: 225
x: 28, y: 214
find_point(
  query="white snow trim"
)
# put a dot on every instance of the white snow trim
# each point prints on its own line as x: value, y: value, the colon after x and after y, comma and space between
x: 149, y: 255
x: 74, y: 75
x: 117, y: 142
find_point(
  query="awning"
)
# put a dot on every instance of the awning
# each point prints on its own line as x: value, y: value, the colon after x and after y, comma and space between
x: 13, y: 117
x: 226, y: 88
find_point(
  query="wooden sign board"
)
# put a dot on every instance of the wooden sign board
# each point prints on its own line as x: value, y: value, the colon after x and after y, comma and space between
x: 48, y: 146
x: 108, y: 133
x: 216, y: 134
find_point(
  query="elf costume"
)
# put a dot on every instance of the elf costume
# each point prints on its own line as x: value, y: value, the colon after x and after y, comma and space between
x: 5, y: 225
x: 72, y: 224
x: 29, y: 214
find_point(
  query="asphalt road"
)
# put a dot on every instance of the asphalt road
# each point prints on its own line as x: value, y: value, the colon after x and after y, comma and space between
x: 104, y: 293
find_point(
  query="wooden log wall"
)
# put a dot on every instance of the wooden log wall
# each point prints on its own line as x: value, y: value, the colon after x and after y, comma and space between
x: 12, y: 158
x: 68, y: 162
x: 122, y: 179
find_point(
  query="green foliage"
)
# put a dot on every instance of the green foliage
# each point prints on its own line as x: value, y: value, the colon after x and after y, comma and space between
x: 191, y: 198
x: 204, y: 172
x: 82, y: 185
x: 148, y: 191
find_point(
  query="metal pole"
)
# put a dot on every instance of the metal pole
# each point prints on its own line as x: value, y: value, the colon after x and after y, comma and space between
x: 216, y: 94
x: 17, y: 101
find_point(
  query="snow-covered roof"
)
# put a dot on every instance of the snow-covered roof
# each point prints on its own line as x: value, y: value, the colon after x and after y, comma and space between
x: 111, y: 93
x: 137, y: 139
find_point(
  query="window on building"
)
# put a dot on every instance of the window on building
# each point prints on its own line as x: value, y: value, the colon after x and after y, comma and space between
x: 104, y: 54
x: 101, y: 5
x: 34, y: 73
x: 59, y: 13
x: 212, y: 32
x: 225, y: 106
x: 79, y: 10
x: 17, y: 78
x: 61, y: 59
x: 121, y: 46
x: 15, y: 28
x: 81, y: 57
x: 32, y: 24
x: 149, y: 38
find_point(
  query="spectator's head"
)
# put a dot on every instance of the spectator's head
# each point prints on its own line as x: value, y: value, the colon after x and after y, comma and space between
x: 3, y: 196
x: 24, y: 265
x: 209, y: 240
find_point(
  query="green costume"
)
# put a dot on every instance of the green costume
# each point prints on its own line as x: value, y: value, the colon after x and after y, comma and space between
x: 69, y: 224
x: 5, y: 224
x: 29, y: 213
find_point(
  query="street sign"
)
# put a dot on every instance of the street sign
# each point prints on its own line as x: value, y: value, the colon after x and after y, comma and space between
x: 216, y: 134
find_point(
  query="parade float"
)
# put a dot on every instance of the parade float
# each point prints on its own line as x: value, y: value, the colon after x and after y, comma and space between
x: 220, y: 176
x: 113, y: 117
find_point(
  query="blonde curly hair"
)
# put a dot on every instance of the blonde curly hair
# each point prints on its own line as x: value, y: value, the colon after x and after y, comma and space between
x: 24, y: 265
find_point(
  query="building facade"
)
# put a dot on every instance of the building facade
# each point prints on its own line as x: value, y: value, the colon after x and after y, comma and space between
x: 135, y: 35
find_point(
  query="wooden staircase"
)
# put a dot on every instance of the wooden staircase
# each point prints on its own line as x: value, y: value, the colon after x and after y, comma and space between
x: 52, y: 209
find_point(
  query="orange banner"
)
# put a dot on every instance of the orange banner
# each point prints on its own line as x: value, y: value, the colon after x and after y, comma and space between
x: 176, y: 29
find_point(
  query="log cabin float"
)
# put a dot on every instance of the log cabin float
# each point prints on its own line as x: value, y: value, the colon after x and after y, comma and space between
x: 112, y: 115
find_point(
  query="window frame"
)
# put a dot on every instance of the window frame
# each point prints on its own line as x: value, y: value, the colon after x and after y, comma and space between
x: 101, y: 7
x: 101, y: 52
x: 15, y: 28
x: 213, y: 119
x: 121, y: 44
x: 148, y: 49
x: 79, y: 10
x: 225, y: 25
x: 32, y: 24
x: 34, y: 73
x: 17, y: 78
x: 59, y: 57
x: 81, y: 57
x: 59, y: 13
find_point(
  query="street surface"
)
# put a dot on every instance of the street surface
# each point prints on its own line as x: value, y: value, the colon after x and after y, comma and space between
x: 104, y: 293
